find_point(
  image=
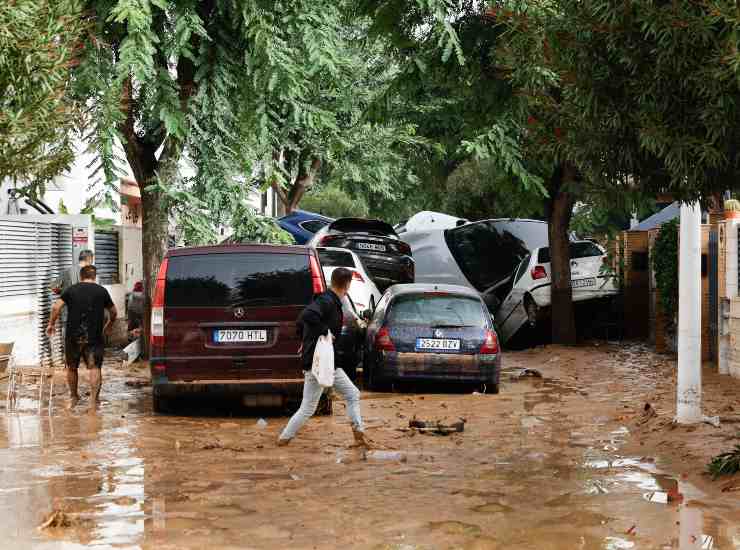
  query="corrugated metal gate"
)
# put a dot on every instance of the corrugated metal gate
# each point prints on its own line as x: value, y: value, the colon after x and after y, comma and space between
x: 106, y: 257
x: 33, y: 254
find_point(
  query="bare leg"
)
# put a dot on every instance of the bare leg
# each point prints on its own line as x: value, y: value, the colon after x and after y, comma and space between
x: 72, y: 384
x: 96, y: 381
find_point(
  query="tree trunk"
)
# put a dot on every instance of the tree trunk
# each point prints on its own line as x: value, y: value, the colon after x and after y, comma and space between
x: 302, y: 183
x: 154, y: 235
x: 559, y: 208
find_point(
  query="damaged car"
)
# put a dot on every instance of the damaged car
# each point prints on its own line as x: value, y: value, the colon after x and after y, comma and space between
x: 387, y: 259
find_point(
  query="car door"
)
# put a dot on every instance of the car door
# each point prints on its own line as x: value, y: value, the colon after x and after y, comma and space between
x: 511, y: 314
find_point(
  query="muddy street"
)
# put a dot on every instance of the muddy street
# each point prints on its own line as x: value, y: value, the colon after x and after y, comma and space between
x: 567, y: 461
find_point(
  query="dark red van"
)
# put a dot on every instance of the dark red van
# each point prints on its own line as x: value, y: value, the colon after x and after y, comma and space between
x: 224, y: 317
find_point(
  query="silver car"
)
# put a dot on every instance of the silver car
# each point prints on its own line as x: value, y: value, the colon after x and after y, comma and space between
x: 481, y: 255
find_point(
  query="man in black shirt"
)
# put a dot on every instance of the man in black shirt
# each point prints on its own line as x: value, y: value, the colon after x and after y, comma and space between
x: 86, y: 303
x: 324, y: 316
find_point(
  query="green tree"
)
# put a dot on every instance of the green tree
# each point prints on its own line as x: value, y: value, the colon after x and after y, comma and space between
x: 626, y: 95
x: 218, y: 82
x: 334, y: 202
x: 39, y: 42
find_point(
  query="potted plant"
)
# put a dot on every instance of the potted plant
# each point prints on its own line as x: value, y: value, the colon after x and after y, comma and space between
x: 732, y: 209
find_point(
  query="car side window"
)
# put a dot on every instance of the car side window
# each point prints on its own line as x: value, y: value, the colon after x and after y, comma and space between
x: 381, y: 307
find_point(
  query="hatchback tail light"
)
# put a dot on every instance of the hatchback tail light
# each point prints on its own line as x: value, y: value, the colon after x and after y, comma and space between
x: 357, y: 277
x: 490, y: 344
x: 156, y: 335
x: 404, y: 248
x: 539, y: 272
x: 383, y: 340
x: 317, y: 279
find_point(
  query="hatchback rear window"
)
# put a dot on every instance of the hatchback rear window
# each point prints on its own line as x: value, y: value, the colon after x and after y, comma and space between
x: 437, y: 310
x: 336, y: 258
x: 313, y: 225
x: 577, y: 250
x: 224, y: 280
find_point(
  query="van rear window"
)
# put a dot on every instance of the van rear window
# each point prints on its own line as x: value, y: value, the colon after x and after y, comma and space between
x: 225, y: 280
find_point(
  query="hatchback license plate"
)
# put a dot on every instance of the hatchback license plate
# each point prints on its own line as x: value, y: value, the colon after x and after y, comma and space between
x: 579, y: 283
x: 438, y: 344
x: 371, y: 246
x: 228, y: 336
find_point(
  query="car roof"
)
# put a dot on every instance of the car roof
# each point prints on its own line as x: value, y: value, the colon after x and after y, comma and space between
x: 239, y: 248
x: 305, y: 215
x: 420, y: 288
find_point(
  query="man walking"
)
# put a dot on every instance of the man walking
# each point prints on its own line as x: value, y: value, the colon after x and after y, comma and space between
x: 71, y: 276
x: 324, y: 314
x: 86, y: 303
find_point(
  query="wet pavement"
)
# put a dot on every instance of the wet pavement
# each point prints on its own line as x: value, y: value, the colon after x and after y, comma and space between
x: 549, y: 463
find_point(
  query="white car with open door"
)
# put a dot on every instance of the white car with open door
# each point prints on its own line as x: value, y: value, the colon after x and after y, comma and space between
x: 529, y: 298
x: 362, y: 291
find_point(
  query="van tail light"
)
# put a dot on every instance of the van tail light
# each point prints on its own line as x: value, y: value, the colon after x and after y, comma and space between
x: 156, y: 335
x: 357, y: 277
x: 490, y: 344
x: 383, y: 340
x: 317, y: 278
x: 539, y: 272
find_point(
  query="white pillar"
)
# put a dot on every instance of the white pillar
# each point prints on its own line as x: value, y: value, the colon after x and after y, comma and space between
x: 688, y: 402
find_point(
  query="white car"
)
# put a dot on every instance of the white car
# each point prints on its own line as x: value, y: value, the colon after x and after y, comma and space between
x: 362, y: 291
x: 529, y: 297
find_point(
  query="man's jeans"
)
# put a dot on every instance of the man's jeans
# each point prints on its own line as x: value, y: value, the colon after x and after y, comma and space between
x: 312, y: 391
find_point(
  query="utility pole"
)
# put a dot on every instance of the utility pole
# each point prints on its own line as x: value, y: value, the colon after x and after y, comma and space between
x: 688, y: 400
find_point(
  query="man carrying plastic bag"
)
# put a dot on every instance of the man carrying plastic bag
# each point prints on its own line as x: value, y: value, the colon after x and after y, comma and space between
x: 323, y: 318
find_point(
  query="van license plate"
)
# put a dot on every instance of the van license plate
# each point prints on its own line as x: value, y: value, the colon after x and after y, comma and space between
x: 371, y: 246
x: 227, y: 336
x: 437, y: 344
x: 580, y: 283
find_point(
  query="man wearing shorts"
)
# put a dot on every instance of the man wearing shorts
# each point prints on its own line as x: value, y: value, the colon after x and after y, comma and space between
x: 86, y: 303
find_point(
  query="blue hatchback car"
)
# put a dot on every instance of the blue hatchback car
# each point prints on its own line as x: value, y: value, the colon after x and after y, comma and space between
x: 302, y: 225
x: 430, y: 332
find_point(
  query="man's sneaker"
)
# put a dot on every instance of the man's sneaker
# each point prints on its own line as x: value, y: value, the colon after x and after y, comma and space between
x: 282, y: 442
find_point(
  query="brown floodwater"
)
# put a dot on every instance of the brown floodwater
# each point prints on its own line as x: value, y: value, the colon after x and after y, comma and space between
x: 542, y: 465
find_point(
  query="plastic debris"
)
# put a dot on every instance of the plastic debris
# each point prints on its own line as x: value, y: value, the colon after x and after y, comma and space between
x: 386, y: 456
x: 56, y: 519
x: 436, y: 427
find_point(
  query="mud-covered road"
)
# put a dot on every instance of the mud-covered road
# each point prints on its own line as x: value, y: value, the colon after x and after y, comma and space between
x: 568, y: 461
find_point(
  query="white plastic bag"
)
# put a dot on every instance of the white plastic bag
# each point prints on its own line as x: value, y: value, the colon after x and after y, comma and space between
x: 322, y: 366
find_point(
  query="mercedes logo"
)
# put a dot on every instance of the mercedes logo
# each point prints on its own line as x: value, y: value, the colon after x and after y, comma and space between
x: 438, y: 333
x: 239, y: 312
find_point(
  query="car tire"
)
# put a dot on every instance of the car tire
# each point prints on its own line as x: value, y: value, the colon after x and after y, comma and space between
x: 161, y: 405
x: 325, y: 406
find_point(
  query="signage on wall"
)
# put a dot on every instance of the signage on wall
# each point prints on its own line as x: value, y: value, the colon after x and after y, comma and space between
x: 79, y: 236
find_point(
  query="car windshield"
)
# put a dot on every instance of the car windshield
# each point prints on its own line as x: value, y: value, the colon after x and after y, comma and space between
x: 437, y: 310
x: 577, y: 250
x: 336, y: 258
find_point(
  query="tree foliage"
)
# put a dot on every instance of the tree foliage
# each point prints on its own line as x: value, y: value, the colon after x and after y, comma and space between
x: 334, y: 202
x: 665, y: 265
x: 39, y: 42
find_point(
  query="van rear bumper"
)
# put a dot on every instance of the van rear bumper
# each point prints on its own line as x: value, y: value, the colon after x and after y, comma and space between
x: 288, y: 387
